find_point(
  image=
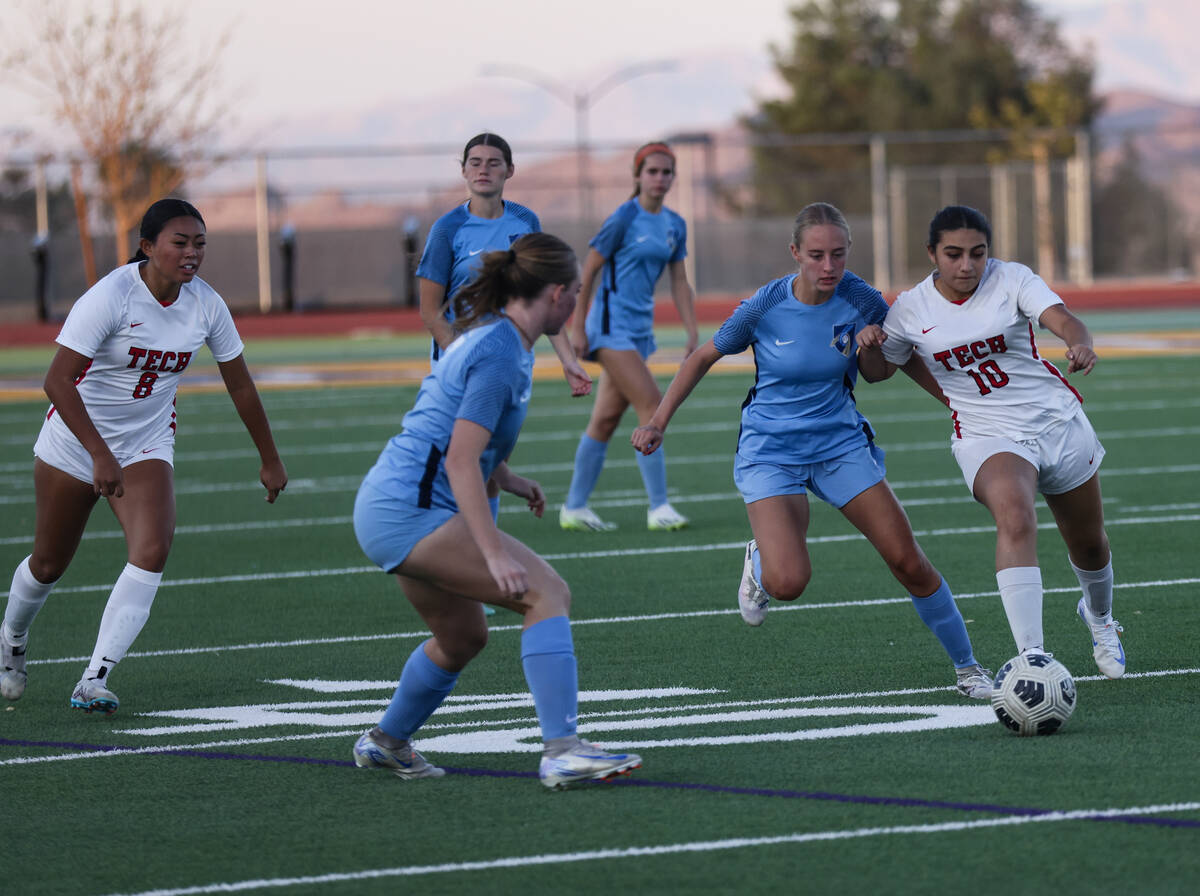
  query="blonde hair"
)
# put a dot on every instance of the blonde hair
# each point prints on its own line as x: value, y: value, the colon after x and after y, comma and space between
x: 818, y: 213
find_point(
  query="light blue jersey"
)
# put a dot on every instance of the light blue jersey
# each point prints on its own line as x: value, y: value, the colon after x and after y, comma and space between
x: 636, y: 245
x: 457, y: 241
x: 801, y: 407
x: 485, y: 376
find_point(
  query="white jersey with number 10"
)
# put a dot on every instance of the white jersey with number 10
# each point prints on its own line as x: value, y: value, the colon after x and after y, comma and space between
x: 983, y: 353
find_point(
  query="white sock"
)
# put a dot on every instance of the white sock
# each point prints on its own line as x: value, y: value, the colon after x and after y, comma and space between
x: 25, y: 598
x: 126, y: 612
x: 1097, y: 585
x: 1021, y: 593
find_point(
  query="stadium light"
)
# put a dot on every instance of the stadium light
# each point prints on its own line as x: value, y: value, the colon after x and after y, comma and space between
x: 581, y: 101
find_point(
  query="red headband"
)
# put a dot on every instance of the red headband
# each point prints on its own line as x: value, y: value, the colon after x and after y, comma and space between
x: 648, y: 150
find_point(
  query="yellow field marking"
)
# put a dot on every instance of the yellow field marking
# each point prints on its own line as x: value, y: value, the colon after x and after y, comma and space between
x: 410, y: 372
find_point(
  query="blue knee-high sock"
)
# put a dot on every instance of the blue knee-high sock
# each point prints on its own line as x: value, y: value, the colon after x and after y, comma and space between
x: 423, y: 686
x: 654, y: 475
x: 940, y: 614
x: 494, y: 504
x: 548, y: 657
x: 589, y: 461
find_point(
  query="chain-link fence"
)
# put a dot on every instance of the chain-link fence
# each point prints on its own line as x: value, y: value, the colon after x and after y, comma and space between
x: 341, y: 228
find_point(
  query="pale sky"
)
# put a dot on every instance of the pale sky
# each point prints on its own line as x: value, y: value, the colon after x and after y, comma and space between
x: 289, y: 57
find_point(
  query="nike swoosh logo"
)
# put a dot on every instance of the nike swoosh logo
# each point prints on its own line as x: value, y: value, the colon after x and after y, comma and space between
x: 138, y: 324
x: 642, y: 239
x: 476, y: 252
x: 789, y: 342
x: 926, y: 330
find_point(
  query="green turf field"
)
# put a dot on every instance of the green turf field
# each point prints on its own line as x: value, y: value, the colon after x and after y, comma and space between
x: 822, y: 753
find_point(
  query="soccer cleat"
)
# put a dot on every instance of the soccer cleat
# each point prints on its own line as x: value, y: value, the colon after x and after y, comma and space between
x: 975, y: 682
x: 665, y: 518
x: 584, y: 763
x: 1106, y: 643
x: 583, y: 519
x: 752, y: 600
x: 404, y: 763
x: 12, y: 667
x: 91, y: 696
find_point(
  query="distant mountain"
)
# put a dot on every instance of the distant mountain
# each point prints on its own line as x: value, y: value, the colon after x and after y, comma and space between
x: 406, y: 152
x: 1148, y: 45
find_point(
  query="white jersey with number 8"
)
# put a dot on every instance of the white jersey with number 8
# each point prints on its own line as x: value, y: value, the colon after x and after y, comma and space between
x: 983, y: 353
x: 139, y: 349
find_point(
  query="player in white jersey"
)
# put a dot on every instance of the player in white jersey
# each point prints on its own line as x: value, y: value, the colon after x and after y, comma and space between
x: 1018, y: 425
x: 421, y: 514
x: 110, y: 432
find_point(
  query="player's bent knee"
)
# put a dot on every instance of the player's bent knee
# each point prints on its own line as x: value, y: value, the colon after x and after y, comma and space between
x: 464, y: 646
x: 46, y: 570
x: 786, y: 587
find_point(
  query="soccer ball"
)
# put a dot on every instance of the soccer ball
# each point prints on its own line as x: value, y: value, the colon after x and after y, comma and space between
x: 1034, y: 694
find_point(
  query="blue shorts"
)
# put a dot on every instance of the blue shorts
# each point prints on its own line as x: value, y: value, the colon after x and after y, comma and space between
x: 388, y: 528
x: 836, y: 481
x: 643, y: 345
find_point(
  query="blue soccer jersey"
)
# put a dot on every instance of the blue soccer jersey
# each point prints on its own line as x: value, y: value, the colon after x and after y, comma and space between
x: 636, y: 245
x: 485, y: 376
x: 801, y: 407
x: 458, y: 238
x: 457, y: 241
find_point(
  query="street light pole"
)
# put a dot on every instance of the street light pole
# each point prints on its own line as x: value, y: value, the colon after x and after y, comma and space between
x: 581, y: 102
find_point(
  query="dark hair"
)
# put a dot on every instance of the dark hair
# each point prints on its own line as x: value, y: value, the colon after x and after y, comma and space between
x: 535, y: 261
x: 488, y: 139
x: 958, y: 217
x: 818, y: 213
x: 639, y: 159
x: 156, y: 218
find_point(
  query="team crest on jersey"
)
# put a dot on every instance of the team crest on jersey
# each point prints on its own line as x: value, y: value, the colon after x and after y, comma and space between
x: 513, y: 237
x: 671, y: 241
x: 843, y: 338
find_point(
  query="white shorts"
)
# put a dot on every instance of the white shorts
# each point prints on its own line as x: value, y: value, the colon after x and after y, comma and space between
x: 58, y: 447
x: 1065, y: 455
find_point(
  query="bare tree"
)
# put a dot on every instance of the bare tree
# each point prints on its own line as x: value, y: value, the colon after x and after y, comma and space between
x: 134, y: 88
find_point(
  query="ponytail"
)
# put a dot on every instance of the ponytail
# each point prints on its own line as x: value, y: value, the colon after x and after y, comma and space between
x: 535, y: 261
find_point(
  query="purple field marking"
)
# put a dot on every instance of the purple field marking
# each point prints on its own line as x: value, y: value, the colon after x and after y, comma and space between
x: 637, y: 782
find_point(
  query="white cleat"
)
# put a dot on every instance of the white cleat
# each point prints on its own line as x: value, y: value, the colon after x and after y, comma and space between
x: 665, y: 518
x: 752, y: 600
x: 1106, y: 642
x: 583, y: 764
x: 91, y: 696
x: 12, y: 667
x: 583, y: 519
x: 975, y: 682
x: 404, y: 763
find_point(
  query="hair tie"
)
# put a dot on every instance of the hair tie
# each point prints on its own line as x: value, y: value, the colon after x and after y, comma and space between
x: 648, y: 150
x: 512, y: 256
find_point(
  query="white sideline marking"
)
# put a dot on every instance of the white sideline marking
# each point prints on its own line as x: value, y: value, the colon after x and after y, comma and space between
x: 777, y: 607
x: 635, y: 852
x: 450, y: 726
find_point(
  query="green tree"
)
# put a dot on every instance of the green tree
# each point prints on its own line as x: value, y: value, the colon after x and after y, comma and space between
x: 867, y: 66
